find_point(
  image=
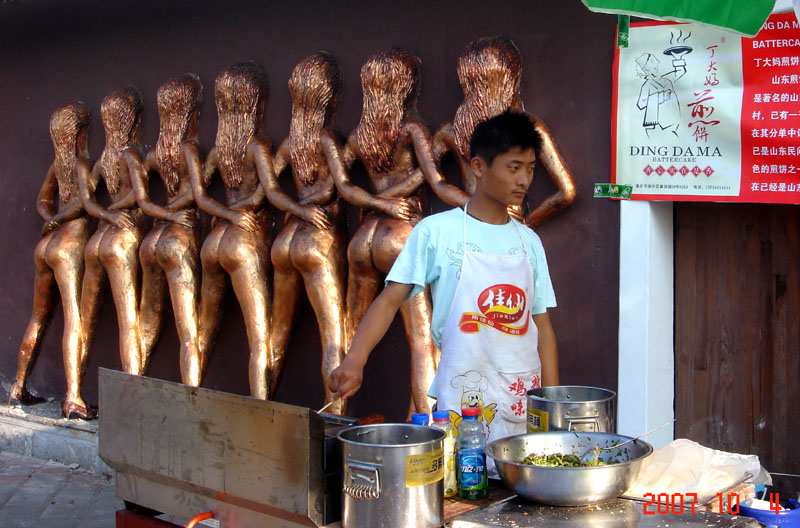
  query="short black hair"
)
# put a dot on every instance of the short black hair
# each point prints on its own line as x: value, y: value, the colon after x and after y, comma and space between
x: 502, y: 133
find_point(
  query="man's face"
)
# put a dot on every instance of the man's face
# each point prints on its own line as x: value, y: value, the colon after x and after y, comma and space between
x: 508, y: 177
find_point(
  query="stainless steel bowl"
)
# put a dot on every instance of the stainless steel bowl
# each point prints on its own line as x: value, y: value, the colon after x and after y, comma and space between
x: 567, y: 486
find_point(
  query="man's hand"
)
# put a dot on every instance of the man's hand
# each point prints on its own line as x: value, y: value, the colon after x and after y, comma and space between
x: 345, y: 380
x: 548, y: 349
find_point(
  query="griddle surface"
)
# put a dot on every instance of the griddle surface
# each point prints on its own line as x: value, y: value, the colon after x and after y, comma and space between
x: 519, y: 513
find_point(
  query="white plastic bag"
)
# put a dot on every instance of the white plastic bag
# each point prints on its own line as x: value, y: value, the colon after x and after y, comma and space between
x: 684, y: 466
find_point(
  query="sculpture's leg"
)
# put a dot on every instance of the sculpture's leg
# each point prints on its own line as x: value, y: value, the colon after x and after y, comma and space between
x: 325, y: 275
x: 363, y: 280
x: 154, y: 291
x: 212, y: 292
x: 43, y: 300
x: 178, y: 254
x: 119, y: 253
x: 92, y: 290
x: 246, y: 258
x: 67, y: 260
x: 287, y: 287
x: 416, y: 314
x: 390, y: 236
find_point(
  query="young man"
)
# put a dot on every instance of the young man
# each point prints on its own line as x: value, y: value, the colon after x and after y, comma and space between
x: 488, y: 276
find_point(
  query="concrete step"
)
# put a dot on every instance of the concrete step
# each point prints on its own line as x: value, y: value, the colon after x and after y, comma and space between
x: 40, y: 431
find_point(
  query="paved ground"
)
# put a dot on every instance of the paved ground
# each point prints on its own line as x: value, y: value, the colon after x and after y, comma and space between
x: 42, y: 493
x: 45, y: 494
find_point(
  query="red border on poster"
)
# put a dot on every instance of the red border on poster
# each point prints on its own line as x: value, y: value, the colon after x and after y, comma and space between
x: 770, y: 130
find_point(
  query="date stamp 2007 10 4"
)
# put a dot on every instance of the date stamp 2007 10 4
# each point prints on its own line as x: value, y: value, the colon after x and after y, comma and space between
x: 680, y: 503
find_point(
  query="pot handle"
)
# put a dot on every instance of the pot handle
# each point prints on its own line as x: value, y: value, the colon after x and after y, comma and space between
x: 362, y: 481
x: 583, y: 421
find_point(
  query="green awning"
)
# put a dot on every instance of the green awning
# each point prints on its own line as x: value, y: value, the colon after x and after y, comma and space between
x: 743, y: 17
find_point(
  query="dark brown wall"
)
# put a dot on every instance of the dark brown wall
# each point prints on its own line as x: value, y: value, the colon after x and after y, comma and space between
x: 737, y: 338
x: 54, y: 52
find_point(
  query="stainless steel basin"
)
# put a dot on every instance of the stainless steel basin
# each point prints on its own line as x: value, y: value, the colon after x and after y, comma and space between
x: 566, y: 486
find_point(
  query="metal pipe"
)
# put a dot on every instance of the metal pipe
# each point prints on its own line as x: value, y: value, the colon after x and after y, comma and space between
x: 199, y: 517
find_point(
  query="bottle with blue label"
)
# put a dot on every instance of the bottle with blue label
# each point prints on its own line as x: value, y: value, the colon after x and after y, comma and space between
x: 470, y: 456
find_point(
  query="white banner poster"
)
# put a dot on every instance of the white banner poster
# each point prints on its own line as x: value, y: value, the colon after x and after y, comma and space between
x: 677, y: 122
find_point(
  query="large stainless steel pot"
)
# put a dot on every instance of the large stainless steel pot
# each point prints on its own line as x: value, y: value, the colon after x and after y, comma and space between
x: 566, y: 486
x: 393, y: 476
x: 572, y: 408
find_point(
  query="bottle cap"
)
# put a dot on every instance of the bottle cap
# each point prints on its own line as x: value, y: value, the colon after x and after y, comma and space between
x: 441, y: 416
x: 470, y: 411
x: 419, y: 419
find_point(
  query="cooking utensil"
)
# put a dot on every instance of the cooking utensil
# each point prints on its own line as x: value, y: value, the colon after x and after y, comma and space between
x: 565, y: 486
x: 328, y: 405
x: 596, y: 449
x: 393, y: 476
x: 572, y: 408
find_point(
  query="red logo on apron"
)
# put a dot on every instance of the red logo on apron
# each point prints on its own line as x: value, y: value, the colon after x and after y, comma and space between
x: 501, y: 306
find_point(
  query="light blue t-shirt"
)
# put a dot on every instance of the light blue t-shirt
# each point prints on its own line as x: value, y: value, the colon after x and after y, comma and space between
x: 434, y: 250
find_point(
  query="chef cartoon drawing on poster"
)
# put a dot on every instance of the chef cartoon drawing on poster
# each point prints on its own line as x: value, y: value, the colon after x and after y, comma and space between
x: 657, y: 96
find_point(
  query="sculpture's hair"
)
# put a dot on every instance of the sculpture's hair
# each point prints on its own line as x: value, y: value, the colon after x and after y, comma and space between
x: 240, y: 92
x: 120, y: 112
x: 66, y: 124
x: 390, y: 82
x: 178, y: 99
x: 315, y: 85
x: 489, y: 71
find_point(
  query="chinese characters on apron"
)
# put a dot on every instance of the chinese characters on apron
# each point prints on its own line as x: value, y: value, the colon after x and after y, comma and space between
x: 489, y: 342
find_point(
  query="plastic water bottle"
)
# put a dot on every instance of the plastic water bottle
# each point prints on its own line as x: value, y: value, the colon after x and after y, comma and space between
x: 471, y: 467
x: 441, y: 420
x: 419, y: 419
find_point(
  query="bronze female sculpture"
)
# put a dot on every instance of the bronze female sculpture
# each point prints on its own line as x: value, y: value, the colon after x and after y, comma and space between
x: 489, y: 71
x: 169, y: 254
x: 239, y: 243
x: 310, y: 249
x: 59, y: 258
x: 113, y: 249
x: 393, y: 145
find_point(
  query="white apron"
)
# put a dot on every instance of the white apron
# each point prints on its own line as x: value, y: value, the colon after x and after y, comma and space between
x: 490, y: 353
